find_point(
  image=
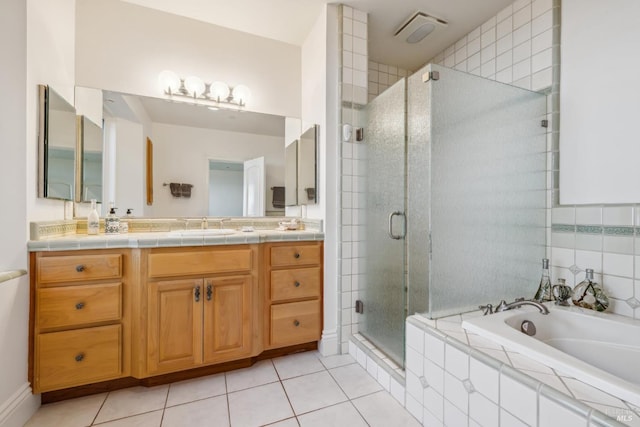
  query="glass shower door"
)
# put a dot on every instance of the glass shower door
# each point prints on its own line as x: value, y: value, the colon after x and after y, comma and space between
x: 383, y: 245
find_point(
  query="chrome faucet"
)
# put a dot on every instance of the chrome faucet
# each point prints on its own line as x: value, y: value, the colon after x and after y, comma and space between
x: 503, y: 306
x: 205, y: 223
x: 222, y: 220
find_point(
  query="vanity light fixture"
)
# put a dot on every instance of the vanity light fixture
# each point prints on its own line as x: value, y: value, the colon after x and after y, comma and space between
x: 216, y: 94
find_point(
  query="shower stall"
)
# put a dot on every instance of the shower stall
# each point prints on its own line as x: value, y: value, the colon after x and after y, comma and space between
x: 456, y: 199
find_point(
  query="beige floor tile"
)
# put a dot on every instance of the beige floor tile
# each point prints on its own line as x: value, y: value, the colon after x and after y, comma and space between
x: 150, y: 419
x: 290, y: 422
x: 337, y: 360
x: 355, y: 381
x: 298, y: 364
x: 196, y: 389
x: 341, y: 415
x: 132, y: 401
x: 78, y: 412
x: 259, y: 374
x: 259, y: 405
x: 313, y: 391
x: 382, y: 410
x: 208, y: 412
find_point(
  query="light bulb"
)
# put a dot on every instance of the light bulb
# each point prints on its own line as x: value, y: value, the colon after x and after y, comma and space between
x: 194, y: 86
x: 241, y: 94
x: 219, y: 91
x: 169, y: 82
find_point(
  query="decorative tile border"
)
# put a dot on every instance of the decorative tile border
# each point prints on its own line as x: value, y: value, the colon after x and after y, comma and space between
x: 49, y: 229
x: 595, y: 229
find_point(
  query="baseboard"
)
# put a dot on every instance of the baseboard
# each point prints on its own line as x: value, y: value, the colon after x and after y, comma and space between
x: 329, y: 343
x: 17, y: 410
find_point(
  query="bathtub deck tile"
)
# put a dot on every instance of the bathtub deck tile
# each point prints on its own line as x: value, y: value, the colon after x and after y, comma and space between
x: 587, y: 393
x: 522, y: 362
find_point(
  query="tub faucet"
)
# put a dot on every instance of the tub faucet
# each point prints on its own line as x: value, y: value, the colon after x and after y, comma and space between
x: 503, y: 306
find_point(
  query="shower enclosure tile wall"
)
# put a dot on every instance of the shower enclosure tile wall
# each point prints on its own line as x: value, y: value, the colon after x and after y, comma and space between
x: 353, y: 98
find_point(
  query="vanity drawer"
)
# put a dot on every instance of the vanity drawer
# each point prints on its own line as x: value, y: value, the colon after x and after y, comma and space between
x: 295, y: 323
x: 78, y: 305
x: 59, y: 269
x: 198, y: 263
x: 294, y: 255
x: 295, y: 283
x: 78, y: 357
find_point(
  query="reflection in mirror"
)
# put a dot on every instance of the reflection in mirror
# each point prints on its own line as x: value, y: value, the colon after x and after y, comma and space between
x: 225, y: 188
x: 91, y: 142
x: 57, y: 146
x: 307, y: 167
x: 187, y: 140
x: 291, y: 174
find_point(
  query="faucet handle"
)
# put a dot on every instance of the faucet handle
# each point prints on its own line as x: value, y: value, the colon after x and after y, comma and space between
x: 520, y: 299
x: 486, y: 309
x: 502, y: 305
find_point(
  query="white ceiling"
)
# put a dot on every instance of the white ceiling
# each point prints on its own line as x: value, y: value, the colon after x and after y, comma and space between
x: 289, y: 21
x: 198, y: 116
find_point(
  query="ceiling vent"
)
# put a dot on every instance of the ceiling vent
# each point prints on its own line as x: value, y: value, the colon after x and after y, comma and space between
x: 419, y: 26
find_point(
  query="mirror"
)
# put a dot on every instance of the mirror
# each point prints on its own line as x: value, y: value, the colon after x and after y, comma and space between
x: 291, y: 174
x: 193, y: 146
x: 91, y: 142
x: 57, y: 146
x: 307, y: 167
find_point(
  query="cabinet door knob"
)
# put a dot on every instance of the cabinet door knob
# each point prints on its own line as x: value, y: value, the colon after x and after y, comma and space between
x: 209, y: 291
x: 296, y: 323
x: 296, y: 255
x: 79, y: 306
x: 296, y: 284
x: 80, y: 268
x: 79, y: 357
x: 196, y: 293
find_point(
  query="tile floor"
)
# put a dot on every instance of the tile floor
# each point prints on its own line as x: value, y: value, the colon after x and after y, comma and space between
x: 303, y: 389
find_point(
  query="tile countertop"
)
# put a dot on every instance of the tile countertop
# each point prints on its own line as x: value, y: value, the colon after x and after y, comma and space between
x: 572, y: 387
x: 168, y: 239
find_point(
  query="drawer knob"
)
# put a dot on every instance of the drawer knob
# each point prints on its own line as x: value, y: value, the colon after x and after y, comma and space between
x: 80, y: 268
x: 296, y: 284
x: 296, y: 255
x: 296, y: 323
x: 79, y: 306
x: 79, y: 357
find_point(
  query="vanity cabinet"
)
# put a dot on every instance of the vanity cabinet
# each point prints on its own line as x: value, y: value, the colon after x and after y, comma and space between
x: 293, y: 278
x: 79, y: 323
x: 200, y: 320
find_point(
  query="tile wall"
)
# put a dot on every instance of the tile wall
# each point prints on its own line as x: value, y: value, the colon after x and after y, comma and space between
x: 606, y: 239
x: 381, y: 76
x: 354, y: 97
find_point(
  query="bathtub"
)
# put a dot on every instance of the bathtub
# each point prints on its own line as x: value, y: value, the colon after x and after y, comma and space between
x: 600, y: 349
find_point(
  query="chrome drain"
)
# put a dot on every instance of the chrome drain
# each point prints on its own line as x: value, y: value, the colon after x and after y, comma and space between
x: 528, y: 328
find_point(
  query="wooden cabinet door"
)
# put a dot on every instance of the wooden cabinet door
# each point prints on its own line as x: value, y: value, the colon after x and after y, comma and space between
x: 227, y: 318
x: 175, y: 325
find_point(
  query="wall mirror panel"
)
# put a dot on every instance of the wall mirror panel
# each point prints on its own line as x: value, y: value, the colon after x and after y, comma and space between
x: 57, y: 146
x: 308, y: 167
x: 91, y: 143
x: 187, y: 140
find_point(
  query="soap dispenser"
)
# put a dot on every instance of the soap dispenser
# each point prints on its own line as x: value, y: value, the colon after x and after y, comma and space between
x: 124, y: 222
x: 589, y: 294
x: 112, y: 222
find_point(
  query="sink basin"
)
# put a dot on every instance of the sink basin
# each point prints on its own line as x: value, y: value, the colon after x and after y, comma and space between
x: 207, y: 232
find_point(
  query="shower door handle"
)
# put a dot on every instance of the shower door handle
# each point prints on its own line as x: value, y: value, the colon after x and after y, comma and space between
x: 404, y: 225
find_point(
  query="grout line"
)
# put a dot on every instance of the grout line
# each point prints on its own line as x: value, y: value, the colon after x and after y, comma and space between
x: 100, y: 409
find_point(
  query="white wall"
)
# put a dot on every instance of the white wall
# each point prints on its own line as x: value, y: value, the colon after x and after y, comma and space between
x: 16, y: 402
x: 181, y: 154
x: 50, y: 60
x: 124, y: 47
x: 320, y: 106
